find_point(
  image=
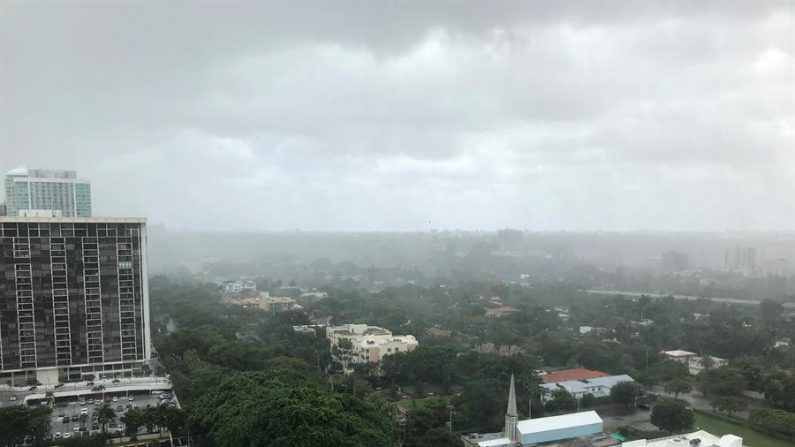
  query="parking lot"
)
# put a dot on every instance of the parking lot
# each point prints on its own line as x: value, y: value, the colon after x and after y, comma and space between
x: 66, y: 414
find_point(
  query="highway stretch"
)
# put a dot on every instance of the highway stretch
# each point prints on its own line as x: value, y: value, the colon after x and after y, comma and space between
x: 682, y: 297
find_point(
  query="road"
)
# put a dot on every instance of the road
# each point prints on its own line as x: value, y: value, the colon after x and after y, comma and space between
x: 682, y: 297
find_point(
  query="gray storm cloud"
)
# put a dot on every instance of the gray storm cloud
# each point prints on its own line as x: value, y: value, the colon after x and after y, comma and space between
x: 401, y: 116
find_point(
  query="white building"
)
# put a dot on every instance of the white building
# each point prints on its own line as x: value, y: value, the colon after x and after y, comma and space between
x: 695, y: 363
x: 47, y: 189
x: 368, y: 344
x: 598, y: 386
x: 240, y: 286
x: 529, y: 432
x: 700, y: 438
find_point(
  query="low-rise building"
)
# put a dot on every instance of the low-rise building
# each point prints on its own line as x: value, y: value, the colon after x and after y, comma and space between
x: 571, y: 374
x: 305, y: 329
x: 279, y: 303
x: 239, y: 286
x: 360, y: 343
x: 697, y: 364
x: 699, y: 438
x: 499, y: 312
x: 679, y: 355
x: 583, y: 330
x: 597, y: 386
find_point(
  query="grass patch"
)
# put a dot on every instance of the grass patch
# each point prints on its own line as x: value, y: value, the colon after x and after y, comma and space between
x: 750, y: 436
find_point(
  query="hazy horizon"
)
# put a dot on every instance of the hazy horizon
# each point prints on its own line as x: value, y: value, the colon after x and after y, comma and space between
x: 411, y: 116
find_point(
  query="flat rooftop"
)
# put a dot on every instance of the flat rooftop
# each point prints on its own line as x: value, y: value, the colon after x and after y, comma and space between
x: 572, y: 374
x: 558, y: 422
x: 93, y: 219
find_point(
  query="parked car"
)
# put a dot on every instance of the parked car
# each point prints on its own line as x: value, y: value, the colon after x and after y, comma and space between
x: 65, y: 420
x: 115, y: 399
x: 13, y: 398
x: 90, y: 401
x: 75, y: 418
x: 119, y: 409
x: 84, y: 410
x: 131, y: 398
x: 67, y: 435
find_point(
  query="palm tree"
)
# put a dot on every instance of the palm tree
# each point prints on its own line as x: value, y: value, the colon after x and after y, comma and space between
x: 105, y: 414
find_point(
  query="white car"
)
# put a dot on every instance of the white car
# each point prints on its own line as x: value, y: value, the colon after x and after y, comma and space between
x: 131, y: 398
x: 58, y: 435
x: 76, y: 428
x: 13, y: 398
x: 67, y: 435
x: 115, y: 399
x: 84, y: 410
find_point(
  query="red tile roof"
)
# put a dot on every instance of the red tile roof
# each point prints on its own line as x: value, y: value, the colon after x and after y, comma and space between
x: 572, y: 374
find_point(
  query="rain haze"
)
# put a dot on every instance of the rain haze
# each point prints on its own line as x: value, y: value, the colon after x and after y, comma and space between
x: 408, y: 116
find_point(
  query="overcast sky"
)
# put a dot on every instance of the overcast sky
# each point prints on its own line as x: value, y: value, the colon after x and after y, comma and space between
x: 410, y: 116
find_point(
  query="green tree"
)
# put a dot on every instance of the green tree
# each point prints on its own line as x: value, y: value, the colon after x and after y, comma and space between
x: 561, y: 401
x: 780, y: 390
x: 624, y: 393
x: 678, y: 386
x: 105, y: 414
x: 723, y: 381
x: 588, y: 401
x: 672, y: 415
x: 728, y: 404
x: 20, y: 421
x: 284, y: 408
x: 133, y: 419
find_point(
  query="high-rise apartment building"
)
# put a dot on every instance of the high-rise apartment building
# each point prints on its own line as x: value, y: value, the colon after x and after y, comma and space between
x: 742, y: 259
x: 74, y: 298
x: 45, y: 189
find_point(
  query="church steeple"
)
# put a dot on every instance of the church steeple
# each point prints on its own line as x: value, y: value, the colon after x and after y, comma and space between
x: 511, y: 415
x: 512, y: 400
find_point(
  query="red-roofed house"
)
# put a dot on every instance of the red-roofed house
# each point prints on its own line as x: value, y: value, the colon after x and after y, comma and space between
x: 572, y: 374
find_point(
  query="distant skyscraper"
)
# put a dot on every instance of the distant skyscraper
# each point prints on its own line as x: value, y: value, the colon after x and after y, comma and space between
x: 741, y: 259
x: 45, y: 189
x: 74, y: 299
x: 674, y: 261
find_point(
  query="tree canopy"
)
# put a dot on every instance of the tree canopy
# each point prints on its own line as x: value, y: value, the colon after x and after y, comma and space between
x: 282, y: 408
x: 672, y: 415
